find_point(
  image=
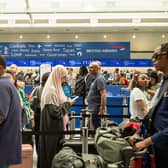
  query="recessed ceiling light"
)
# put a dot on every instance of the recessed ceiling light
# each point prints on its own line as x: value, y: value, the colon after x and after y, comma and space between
x: 48, y: 36
x: 133, y: 36
x: 105, y: 36
x: 76, y: 36
x: 21, y: 36
x: 163, y: 36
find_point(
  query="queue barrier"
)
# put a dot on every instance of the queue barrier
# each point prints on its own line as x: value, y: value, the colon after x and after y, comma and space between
x: 115, y: 105
x: 85, y: 118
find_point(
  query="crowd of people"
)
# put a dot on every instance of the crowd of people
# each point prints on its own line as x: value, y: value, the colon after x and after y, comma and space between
x: 48, y: 107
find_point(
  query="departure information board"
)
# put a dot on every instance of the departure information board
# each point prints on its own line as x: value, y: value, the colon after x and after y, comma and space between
x: 65, y: 50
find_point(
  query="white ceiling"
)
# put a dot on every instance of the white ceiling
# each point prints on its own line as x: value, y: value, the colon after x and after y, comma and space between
x: 83, y: 16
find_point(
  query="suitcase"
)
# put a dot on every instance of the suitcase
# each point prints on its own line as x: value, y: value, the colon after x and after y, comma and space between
x: 27, y: 157
x: 137, y: 161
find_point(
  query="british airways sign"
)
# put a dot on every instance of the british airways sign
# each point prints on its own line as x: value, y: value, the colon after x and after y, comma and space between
x: 66, y: 50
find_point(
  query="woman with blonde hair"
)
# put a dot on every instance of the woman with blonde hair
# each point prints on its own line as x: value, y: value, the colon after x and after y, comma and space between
x: 54, y: 107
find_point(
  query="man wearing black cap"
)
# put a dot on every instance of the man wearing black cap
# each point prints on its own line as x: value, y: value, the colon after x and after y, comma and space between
x: 157, y: 132
x: 10, y: 111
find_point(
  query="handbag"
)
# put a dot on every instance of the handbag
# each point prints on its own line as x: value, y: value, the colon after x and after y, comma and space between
x: 131, y: 127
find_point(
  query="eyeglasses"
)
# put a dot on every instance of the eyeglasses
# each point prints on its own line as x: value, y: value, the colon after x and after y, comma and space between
x: 158, y: 56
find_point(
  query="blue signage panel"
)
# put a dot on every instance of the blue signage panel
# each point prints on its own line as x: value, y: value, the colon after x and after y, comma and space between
x: 66, y: 50
x: 78, y: 63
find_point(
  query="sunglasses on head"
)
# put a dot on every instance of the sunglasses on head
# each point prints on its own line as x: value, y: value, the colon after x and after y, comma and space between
x: 158, y: 56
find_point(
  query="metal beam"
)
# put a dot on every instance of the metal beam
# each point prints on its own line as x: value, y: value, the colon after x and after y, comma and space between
x: 29, y: 13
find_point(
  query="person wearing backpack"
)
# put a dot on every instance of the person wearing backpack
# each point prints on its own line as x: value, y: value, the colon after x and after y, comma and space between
x: 35, y: 98
x: 80, y: 85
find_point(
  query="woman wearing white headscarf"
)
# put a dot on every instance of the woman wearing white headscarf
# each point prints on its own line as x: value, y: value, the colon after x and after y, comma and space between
x: 54, y: 105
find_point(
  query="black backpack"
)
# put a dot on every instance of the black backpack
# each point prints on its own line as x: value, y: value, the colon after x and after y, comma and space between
x: 67, y: 158
x: 35, y: 99
x: 80, y: 86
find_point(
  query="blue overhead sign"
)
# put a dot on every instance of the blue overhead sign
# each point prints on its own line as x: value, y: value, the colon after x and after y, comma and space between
x: 65, y: 50
x: 78, y: 63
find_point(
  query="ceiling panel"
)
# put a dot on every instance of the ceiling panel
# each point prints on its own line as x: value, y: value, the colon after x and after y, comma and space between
x: 55, y: 16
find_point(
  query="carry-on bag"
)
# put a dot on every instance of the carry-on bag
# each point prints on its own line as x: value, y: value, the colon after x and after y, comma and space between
x: 109, y: 142
x: 93, y: 161
x: 67, y: 158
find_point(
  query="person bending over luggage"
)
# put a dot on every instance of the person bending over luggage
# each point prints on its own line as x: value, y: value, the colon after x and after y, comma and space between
x: 97, y: 94
x: 157, y: 131
x: 54, y: 106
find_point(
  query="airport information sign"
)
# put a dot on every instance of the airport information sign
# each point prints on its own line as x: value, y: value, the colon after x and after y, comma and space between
x: 65, y: 50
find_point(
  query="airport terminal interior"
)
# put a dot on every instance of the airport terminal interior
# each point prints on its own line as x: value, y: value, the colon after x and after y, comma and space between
x: 37, y: 35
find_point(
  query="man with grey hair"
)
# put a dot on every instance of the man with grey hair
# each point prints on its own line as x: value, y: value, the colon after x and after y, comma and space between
x: 97, y: 94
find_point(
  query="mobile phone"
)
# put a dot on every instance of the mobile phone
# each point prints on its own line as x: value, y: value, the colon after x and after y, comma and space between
x: 75, y: 98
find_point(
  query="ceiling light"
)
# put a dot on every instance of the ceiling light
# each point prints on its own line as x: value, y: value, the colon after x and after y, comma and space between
x: 105, y: 36
x: 133, y: 36
x: 136, y: 20
x: 21, y: 36
x: 76, y: 36
x: 163, y: 36
x: 48, y: 36
x: 93, y: 20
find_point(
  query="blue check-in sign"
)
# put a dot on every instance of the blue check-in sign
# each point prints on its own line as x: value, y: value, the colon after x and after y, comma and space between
x: 66, y: 50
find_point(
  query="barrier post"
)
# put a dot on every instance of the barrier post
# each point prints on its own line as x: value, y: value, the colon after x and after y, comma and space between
x: 81, y: 120
x: 125, y: 109
x: 85, y: 140
x: 72, y: 123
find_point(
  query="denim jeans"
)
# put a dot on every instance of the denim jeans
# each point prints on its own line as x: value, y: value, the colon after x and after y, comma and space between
x: 3, y: 166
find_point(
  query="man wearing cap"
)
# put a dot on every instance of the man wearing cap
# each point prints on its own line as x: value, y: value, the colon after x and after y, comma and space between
x: 158, y: 136
x: 10, y: 111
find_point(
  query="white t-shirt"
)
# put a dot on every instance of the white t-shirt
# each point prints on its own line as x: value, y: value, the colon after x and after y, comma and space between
x: 137, y: 94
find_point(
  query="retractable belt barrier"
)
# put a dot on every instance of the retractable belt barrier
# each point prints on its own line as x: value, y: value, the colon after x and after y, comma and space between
x: 114, y: 106
x: 71, y: 132
x: 100, y: 116
x: 86, y: 119
x: 84, y: 132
